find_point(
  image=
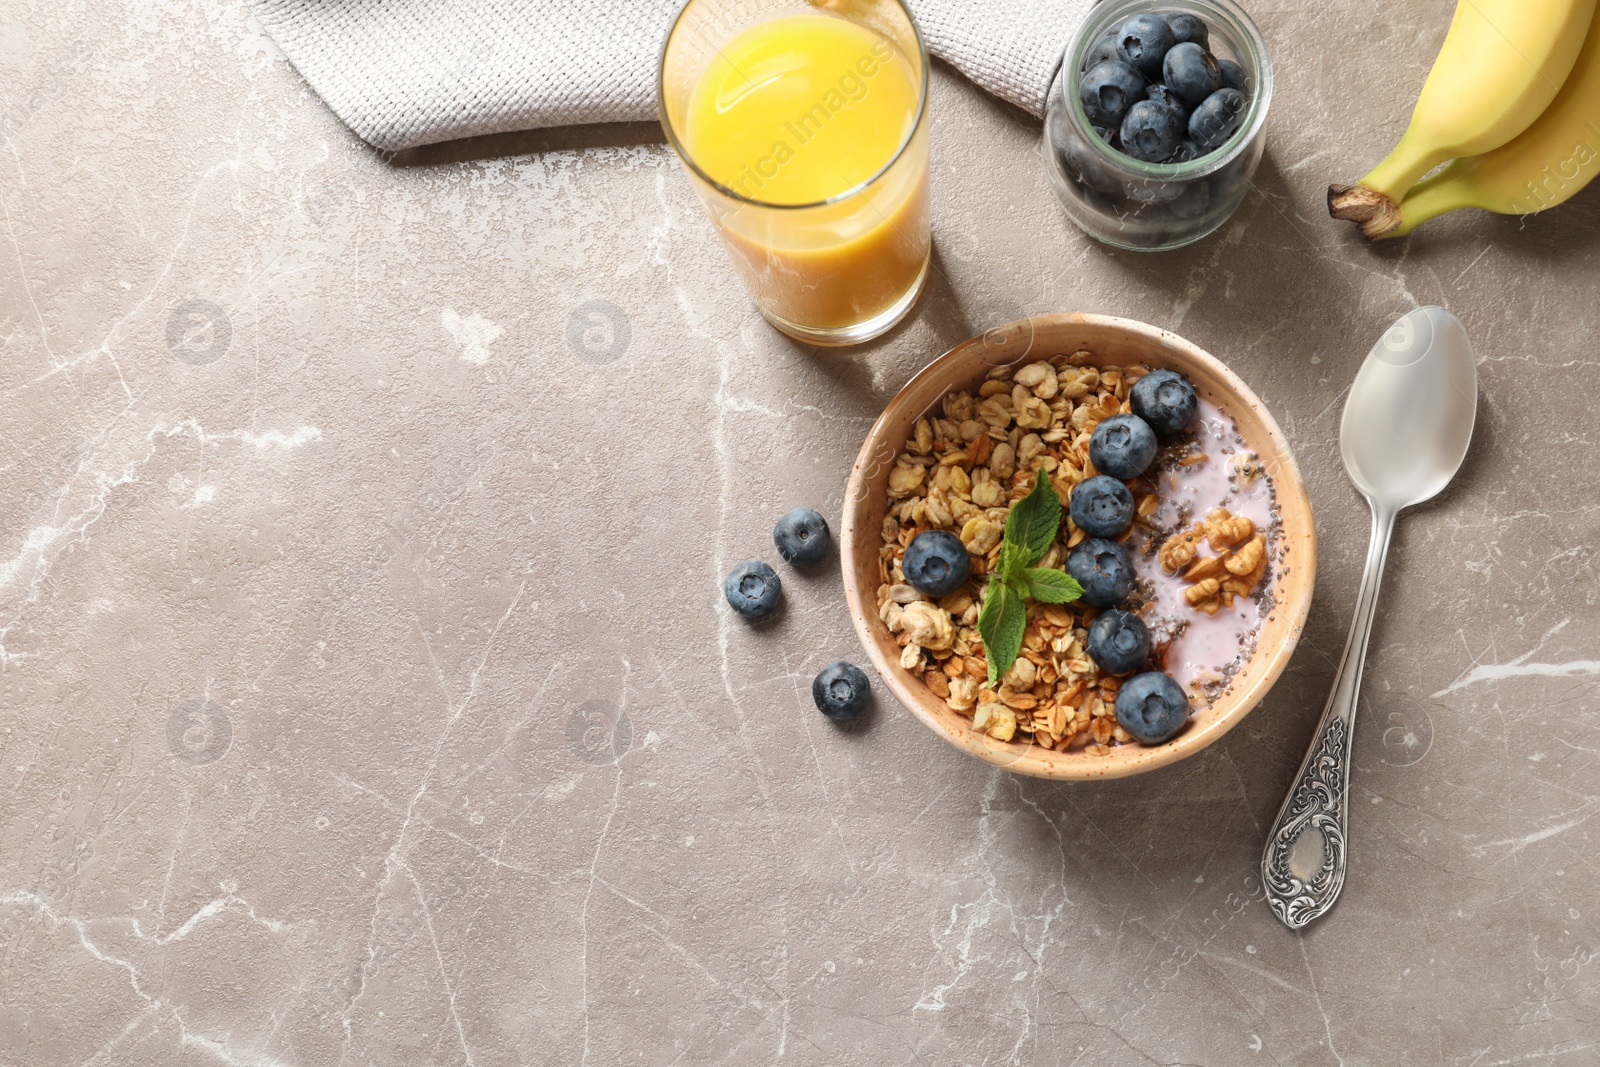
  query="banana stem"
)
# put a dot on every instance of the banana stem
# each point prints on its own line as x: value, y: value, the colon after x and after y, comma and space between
x: 1428, y: 199
x: 1375, y: 201
x: 1357, y: 203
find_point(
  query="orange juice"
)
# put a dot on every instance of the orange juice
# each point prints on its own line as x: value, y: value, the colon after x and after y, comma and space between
x: 795, y: 112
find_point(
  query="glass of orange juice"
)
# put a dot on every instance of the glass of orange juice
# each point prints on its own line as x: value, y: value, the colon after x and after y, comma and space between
x: 803, y: 126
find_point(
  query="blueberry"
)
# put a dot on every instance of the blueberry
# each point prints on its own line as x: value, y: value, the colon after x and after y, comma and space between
x: 802, y: 537
x: 1103, y: 569
x: 841, y: 691
x: 1118, y: 641
x: 1122, y: 446
x: 1107, y: 90
x: 1148, y: 191
x: 1165, y: 94
x: 936, y: 562
x: 1216, y: 117
x: 1152, y: 707
x: 1165, y: 400
x: 1105, y: 48
x: 1233, y: 76
x: 1191, y: 72
x: 1187, y: 152
x: 1194, y: 202
x: 1187, y: 28
x: 1142, y: 41
x: 1083, y: 163
x: 1151, y: 131
x: 753, y: 589
x: 1102, y: 506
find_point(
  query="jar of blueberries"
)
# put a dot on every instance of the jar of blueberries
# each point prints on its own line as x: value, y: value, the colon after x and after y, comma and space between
x: 1154, y: 128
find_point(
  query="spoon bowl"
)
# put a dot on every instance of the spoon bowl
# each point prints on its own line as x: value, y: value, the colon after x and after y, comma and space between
x: 1409, y: 416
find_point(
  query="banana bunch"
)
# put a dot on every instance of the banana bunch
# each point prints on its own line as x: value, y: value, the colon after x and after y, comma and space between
x: 1513, y: 102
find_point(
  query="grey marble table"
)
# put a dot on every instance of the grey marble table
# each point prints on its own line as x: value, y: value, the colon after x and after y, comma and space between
x: 368, y: 695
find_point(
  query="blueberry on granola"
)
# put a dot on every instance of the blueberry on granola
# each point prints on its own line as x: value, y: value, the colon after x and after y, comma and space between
x: 753, y: 589
x: 1103, y: 569
x: 1118, y: 641
x: 802, y: 537
x: 936, y: 562
x: 1165, y: 400
x: 1122, y: 446
x: 1101, y: 506
x: 1152, y: 707
x: 841, y: 691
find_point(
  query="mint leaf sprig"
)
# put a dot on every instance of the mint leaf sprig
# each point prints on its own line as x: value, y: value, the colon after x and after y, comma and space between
x: 1031, y: 529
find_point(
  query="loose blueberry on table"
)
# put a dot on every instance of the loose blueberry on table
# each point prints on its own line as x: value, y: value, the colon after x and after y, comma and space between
x: 753, y: 589
x: 802, y: 537
x: 1159, y: 94
x: 841, y: 691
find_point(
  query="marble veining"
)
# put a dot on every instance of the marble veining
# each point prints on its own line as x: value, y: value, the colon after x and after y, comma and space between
x: 369, y: 698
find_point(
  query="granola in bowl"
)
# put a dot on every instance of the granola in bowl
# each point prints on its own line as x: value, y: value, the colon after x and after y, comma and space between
x: 1202, y: 545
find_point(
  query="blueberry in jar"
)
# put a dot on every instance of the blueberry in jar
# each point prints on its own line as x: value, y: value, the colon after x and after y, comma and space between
x: 1118, y: 641
x: 1152, y: 707
x: 1105, y: 48
x: 936, y: 562
x: 1193, y: 202
x: 1191, y: 72
x: 1142, y: 41
x: 1233, y: 75
x: 1101, y: 506
x: 1107, y: 90
x: 1151, y: 131
x: 1228, y: 184
x: 1188, y: 28
x: 1103, y: 569
x: 1187, y: 152
x: 1122, y: 446
x: 753, y: 589
x: 1165, y: 400
x: 1162, y: 93
x: 1216, y: 118
x: 802, y: 537
x: 1146, y: 192
x: 841, y: 691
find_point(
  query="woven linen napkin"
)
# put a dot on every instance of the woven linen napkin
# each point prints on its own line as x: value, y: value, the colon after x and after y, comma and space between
x: 402, y: 73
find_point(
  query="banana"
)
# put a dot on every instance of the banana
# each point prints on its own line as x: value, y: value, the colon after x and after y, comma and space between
x: 1541, y: 167
x: 1502, y: 63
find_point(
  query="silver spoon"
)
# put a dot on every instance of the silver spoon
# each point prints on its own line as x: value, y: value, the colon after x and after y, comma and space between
x: 1407, y: 423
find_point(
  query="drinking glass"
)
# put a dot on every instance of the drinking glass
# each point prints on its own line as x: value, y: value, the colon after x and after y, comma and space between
x: 845, y: 265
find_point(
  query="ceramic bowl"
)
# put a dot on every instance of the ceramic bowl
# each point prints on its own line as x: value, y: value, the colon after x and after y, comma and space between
x: 1114, y: 342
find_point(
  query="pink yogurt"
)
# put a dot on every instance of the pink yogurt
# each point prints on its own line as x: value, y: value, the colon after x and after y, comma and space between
x: 1205, y: 650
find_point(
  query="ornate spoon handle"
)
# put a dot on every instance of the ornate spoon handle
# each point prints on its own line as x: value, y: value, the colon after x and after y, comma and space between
x: 1304, y: 862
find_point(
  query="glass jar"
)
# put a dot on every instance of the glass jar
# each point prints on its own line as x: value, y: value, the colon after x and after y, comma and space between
x: 1151, y: 207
